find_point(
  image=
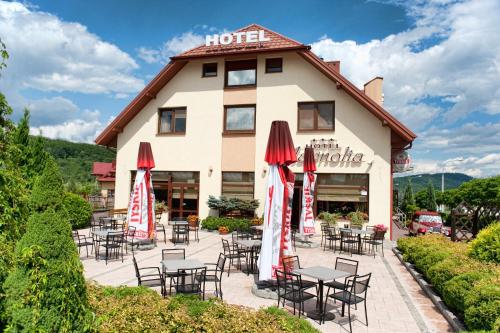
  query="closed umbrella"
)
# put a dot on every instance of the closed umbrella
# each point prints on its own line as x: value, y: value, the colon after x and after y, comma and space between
x: 276, y: 236
x: 306, y: 225
x: 142, y: 199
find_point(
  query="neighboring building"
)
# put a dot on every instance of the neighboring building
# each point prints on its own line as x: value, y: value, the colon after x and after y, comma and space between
x: 207, y: 115
x: 105, y: 176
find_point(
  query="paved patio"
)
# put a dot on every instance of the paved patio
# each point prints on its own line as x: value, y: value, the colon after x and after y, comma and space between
x: 395, y: 301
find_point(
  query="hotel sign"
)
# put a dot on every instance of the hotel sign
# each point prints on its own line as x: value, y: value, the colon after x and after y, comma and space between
x: 329, y: 151
x: 401, y: 162
x: 251, y: 36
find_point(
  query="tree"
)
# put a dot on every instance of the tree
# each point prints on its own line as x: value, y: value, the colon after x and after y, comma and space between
x: 408, y: 204
x: 431, y: 198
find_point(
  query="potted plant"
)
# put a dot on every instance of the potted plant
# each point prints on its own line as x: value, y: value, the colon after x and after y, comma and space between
x: 257, y: 221
x: 192, y: 220
x: 357, y: 219
x: 223, y: 230
x: 380, y: 227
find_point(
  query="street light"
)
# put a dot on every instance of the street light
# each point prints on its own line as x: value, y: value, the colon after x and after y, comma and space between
x: 458, y: 159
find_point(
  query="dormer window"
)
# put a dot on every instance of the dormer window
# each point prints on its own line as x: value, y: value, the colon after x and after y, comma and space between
x: 241, y: 73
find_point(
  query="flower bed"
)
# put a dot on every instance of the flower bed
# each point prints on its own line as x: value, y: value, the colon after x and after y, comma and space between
x: 138, y: 309
x: 468, y: 286
x: 213, y: 223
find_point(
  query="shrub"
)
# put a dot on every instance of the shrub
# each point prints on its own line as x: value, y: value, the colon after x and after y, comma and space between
x: 136, y: 309
x: 213, y: 223
x: 78, y: 209
x: 458, y: 288
x: 226, y: 205
x: 482, y: 304
x: 486, y: 246
x: 48, y: 191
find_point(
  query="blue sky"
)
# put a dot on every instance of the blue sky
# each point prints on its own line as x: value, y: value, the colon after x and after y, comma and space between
x: 76, y: 64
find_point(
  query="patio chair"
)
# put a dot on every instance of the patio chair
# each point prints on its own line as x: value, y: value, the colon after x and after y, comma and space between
x: 153, y: 278
x: 376, y: 239
x: 368, y: 228
x: 324, y: 228
x: 251, y: 257
x: 291, y: 263
x: 81, y: 241
x: 214, y: 273
x: 160, y: 229
x: 290, y: 288
x: 114, y: 245
x: 191, y: 281
x: 129, y: 238
x: 172, y: 254
x: 232, y: 253
x: 181, y: 231
x: 348, y: 240
x: 355, y: 293
x: 332, y: 236
x: 94, y: 225
x: 195, y: 228
x: 345, y: 265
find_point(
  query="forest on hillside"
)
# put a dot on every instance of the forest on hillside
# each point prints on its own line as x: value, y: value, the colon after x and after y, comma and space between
x: 420, y: 182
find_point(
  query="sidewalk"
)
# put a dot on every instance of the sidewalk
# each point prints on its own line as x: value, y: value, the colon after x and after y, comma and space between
x: 395, y: 301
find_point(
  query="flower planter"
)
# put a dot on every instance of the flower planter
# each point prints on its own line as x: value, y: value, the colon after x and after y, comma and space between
x: 223, y: 232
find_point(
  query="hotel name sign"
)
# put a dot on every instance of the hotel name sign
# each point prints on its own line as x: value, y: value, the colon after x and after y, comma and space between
x: 251, y: 36
x: 328, y: 151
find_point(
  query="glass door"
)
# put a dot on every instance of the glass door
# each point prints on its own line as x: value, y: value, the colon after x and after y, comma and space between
x: 184, y: 198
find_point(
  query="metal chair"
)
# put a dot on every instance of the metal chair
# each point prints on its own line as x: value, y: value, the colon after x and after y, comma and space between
x: 214, y: 273
x: 347, y: 238
x: 376, y: 239
x: 114, y: 245
x: 191, y: 281
x: 195, y: 228
x: 181, y: 231
x: 172, y: 254
x: 129, y: 238
x: 332, y: 236
x: 160, y: 228
x: 324, y: 228
x: 355, y: 293
x: 151, y: 279
x: 231, y: 253
x: 290, y: 288
x: 81, y: 241
x: 291, y: 263
x: 345, y: 265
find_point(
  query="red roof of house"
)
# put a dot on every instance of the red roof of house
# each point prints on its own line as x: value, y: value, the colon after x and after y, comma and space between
x: 103, y: 169
x: 400, y: 134
x: 277, y: 42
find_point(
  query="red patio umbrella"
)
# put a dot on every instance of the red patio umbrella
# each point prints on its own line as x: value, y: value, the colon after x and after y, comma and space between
x: 142, y: 199
x: 306, y: 225
x: 276, y: 236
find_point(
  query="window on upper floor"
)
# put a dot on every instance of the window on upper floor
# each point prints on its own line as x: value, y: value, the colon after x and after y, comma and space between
x: 209, y: 70
x: 238, y: 185
x: 274, y: 65
x: 241, y: 73
x: 316, y: 116
x: 172, y: 120
x: 239, y: 119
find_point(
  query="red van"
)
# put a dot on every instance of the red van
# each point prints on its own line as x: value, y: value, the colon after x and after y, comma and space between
x: 426, y: 222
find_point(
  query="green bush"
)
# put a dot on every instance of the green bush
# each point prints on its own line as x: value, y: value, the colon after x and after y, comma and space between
x: 486, y: 246
x: 226, y: 205
x: 468, y: 286
x: 48, y: 191
x: 136, y: 309
x: 79, y: 210
x: 213, y: 223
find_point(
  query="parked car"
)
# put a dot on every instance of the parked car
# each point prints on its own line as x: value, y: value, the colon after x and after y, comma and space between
x: 424, y: 222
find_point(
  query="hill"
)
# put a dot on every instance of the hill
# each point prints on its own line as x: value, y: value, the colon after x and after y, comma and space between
x: 419, y: 182
x: 76, y: 159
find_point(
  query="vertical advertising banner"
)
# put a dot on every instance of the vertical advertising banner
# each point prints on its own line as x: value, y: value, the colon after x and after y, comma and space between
x: 140, y: 207
x: 306, y: 226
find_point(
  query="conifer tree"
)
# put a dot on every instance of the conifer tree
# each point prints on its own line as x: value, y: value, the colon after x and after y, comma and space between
x: 431, y: 198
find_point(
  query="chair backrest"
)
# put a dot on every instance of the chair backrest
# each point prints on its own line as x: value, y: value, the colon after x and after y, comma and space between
x: 225, y: 246
x: 114, y: 237
x: 130, y: 231
x: 178, y: 218
x: 356, y: 226
x: 137, y: 274
x: 221, y: 262
x: 172, y: 254
x: 346, y: 233
x: 281, y: 280
x: 378, y: 235
x: 290, y: 263
x: 191, y: 280
x: 324, y: 227
x: 347, y: 265
x: 359, y: 284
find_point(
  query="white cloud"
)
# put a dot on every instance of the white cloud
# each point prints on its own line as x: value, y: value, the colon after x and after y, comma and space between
x: 77, y: 130
x: 49, y: 54
x: 171, y: 47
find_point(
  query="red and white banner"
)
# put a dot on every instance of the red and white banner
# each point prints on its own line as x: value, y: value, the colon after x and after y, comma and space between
x: 276, y: 236
x: 306, y: 226
x: 141, y: 206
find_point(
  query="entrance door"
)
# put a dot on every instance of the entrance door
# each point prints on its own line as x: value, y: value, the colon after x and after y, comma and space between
x: 184, y: 198
x: 296, y: 206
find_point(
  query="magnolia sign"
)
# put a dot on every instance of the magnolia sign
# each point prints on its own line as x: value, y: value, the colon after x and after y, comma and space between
x: 329, y: 151
x: 251, y: 36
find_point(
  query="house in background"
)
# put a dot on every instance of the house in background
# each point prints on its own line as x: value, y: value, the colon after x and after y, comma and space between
x: 105, y: 176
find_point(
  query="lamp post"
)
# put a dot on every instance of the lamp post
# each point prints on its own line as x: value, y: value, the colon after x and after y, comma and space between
x: 458, y: 159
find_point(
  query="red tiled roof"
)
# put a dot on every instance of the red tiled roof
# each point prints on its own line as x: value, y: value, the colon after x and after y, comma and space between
x: 103, y: 169
x: 277, y: 42
x: 106, y: 179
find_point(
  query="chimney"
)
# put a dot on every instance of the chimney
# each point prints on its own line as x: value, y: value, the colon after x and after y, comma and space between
x: 373, y: 89
x: 335, y: 65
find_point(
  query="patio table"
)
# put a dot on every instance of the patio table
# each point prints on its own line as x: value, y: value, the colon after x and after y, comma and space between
x: 359, y: 233
x: 173, y: 265
x: 322, y: 274
x: 250, y: 245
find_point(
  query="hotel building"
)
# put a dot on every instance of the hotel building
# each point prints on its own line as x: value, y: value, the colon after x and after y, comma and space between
x: 207, y: 115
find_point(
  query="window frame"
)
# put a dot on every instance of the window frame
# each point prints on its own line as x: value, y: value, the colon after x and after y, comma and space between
x: 226, y: 131
x: 316, y: 115
x: 173, y: 109
x: 203, y: 74
x: 231, y: 63
x: 274, y: 59
x: 249, y: 172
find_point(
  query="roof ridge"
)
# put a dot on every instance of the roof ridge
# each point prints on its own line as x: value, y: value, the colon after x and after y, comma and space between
x: 274, y: 32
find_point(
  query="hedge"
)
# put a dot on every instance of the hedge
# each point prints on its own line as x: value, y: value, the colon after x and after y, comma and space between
x: 79, y: 210
x: 137, y: 309
x: 468, y: 286
x: 213, y: 223
x: 486, y: 246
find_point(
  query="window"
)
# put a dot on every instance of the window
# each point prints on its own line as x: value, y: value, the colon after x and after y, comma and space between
x: 239, y: 119
x: 238, y: 185
x: 209, y: 70
x: 274, y: 65
x: 172, y: 120
x: 342, y: 193
x: 241, y: 73
x: 316, y: 116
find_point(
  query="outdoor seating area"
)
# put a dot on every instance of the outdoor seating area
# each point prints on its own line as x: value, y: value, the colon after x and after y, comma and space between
x: 321, y: 284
